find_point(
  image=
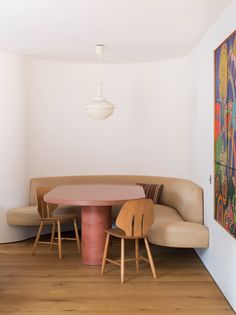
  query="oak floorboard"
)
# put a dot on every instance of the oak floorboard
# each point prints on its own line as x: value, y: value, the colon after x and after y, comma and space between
x: 42, y: 284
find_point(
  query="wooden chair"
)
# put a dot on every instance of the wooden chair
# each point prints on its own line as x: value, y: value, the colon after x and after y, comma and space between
x: 133, y: 222
x: 47, y: 217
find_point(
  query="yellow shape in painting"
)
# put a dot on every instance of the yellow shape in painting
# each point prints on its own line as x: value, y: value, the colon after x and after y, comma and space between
x: 223, y: 76
x: 234, y: 46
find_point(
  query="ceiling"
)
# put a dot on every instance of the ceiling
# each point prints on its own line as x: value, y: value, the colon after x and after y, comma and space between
x: 131, y: 30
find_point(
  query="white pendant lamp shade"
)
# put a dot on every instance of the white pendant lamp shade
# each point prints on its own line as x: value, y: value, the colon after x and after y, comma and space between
x: 99, y: 107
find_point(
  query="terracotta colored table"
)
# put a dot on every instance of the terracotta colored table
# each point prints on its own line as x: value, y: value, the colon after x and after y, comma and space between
x: 96, y: 202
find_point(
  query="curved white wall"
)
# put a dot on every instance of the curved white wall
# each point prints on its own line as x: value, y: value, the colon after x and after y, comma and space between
x: 148, y: 133
x: 13, y: 139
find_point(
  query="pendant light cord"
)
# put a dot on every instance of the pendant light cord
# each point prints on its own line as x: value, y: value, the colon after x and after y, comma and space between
x: 100, y: 75
x: 99, y: 54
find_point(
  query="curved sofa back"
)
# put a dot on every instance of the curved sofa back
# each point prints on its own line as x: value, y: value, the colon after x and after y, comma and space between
x: 181, y: 194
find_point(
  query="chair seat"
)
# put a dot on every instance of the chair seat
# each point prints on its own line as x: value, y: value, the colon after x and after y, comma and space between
x: 63, y: 217
x: 121, y: 234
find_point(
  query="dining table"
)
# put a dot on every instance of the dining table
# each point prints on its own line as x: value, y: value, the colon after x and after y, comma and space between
x: 96, y: 201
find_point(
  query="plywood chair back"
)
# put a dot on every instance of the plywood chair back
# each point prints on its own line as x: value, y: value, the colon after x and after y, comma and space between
x: 45, y: 210
x: 136, y: 217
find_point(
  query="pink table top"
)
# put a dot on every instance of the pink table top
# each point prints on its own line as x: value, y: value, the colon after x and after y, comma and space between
x: 94, y: 194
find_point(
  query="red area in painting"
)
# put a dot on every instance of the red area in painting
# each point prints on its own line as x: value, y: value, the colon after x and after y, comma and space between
x: 217, y: 120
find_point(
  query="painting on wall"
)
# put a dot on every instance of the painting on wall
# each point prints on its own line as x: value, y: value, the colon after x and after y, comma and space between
x: 225, y: 134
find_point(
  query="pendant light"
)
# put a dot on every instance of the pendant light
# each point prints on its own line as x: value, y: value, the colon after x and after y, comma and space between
x: 99, y: 107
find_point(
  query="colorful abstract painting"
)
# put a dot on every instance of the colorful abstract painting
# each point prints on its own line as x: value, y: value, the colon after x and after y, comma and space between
x: 225, y: 134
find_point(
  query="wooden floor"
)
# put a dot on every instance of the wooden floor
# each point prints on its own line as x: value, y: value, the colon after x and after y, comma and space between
x: 44, y: 285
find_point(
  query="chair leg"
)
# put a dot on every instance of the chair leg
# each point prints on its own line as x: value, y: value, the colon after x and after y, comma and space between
x: 150, y: 258
x: 122, y: 262
x: 76, y: 234
x: 59, y: 238
x: 53, y: 235
x: 37, y: 237
x: 137, y: 253
x: 105, y: 253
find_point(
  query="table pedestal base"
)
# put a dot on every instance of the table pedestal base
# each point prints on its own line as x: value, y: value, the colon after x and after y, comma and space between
x: 94, y: 219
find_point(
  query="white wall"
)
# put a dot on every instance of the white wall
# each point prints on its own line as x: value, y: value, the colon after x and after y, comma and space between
x: 148, y: 133
x: 13, y: 143
x: 220, y: 258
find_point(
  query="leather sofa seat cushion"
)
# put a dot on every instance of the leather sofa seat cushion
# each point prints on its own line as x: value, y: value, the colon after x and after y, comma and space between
x: 26, y: 216
x: 170, y: 229
x: 67, y: 209
x: 29, y: 216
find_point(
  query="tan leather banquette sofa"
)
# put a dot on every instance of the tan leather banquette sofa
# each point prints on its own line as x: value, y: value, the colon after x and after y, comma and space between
x: 178, y: 217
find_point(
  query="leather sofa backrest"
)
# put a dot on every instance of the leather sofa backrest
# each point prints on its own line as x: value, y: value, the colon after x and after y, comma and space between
x: 181, y: 194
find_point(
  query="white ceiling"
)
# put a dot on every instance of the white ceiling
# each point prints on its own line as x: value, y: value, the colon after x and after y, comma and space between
x: 131, y: 30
